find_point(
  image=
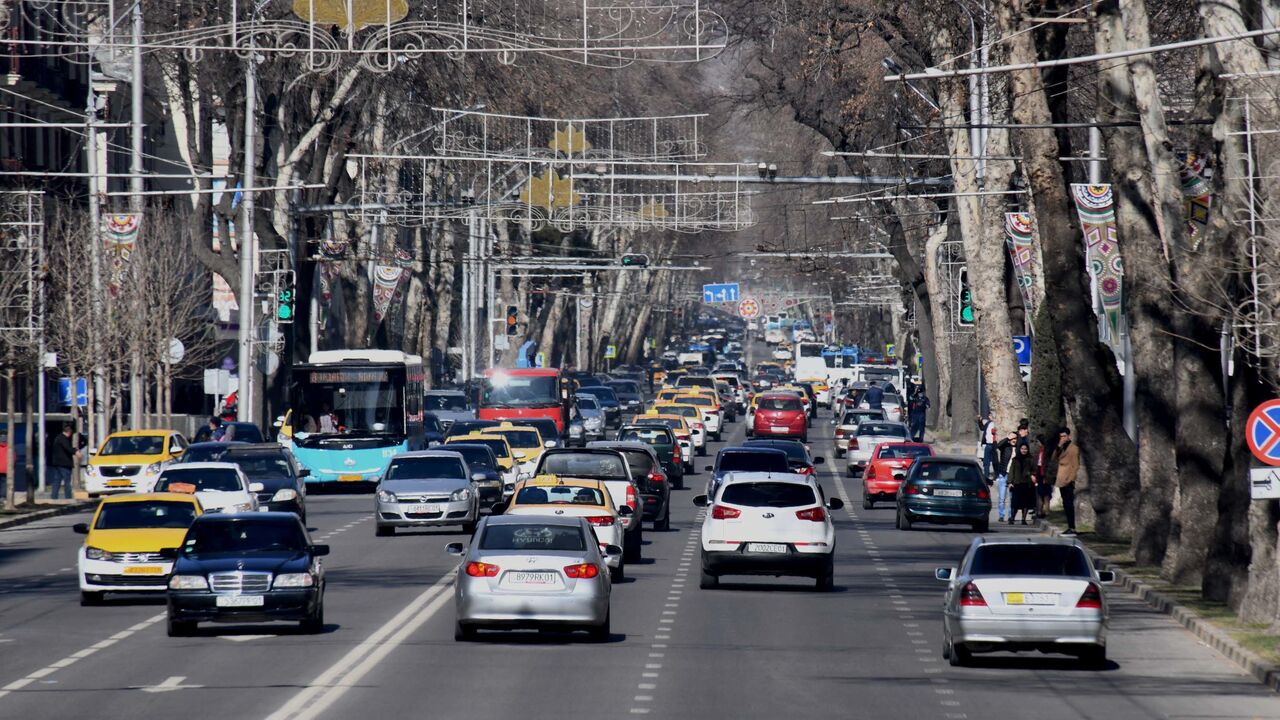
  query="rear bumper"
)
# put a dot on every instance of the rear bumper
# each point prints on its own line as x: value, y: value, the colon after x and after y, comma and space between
x: 1029, y: 632
x: 586, y: 604
x: 947, y: 514
x: 741, y: 562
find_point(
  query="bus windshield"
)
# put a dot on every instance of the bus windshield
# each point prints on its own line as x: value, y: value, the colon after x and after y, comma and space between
x: 517, y: 391
x: 350, y: 400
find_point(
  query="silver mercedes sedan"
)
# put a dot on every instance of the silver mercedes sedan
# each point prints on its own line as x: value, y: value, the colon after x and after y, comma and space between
x: 1016, y: 594
x: 531, y: 571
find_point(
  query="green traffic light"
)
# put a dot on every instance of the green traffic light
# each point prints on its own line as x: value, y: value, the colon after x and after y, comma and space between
x: 285, y: 312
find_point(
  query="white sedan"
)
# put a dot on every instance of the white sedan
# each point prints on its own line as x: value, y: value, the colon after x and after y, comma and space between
x: 220, y: 487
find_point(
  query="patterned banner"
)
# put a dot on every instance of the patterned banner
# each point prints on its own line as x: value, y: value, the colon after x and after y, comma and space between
x: 1196, y: 193
x: 1018, y: 235
x: 119, y: 235
x: 332, y: 250
x: 387, y: 280
x: 1096, y: 208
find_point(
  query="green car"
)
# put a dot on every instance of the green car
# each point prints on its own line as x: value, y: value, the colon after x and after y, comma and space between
x: 663, y: 442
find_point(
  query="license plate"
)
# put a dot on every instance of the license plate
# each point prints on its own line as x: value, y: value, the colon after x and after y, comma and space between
x: 350, y: 478
x: 424, y: 508
x: 779, y: 428
x: 949, y: 493
x: 766, y: 547
x: 144, y: 570
x: 237, y: 601
x: 119, y: 483
x: 533, y: 578
x: 1031, y: 598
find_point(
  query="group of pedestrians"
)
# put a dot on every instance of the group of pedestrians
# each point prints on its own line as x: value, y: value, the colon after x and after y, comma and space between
x: 1024, y: 481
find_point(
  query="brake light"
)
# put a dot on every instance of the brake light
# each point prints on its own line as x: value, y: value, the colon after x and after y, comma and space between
x: 1091, y: 599
x: 983, y: 494
x: 871, y: 472
x: 631, y: 496
x: 841, y: 432
x: 657, y: 477
x: 814, y: 514
x: 600, y: 520
x: 584, y: 571
x: 912, y: 490
x: 853, y: 443
x: 806, y: 470
x: 479, y: 569
x: 720, y: 512
x: 971, y: 596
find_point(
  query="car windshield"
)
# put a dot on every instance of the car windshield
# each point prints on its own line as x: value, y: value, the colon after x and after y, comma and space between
x: 134, y: 445
x: 476, y: 457
x: 242, y: 537
x: 780, y: 403
x: 588, y: 402
x: 505, y: 390
x: 201, y: 479
x: 885, y: 429
x: 625, y: 386
x: 963, y: 473
x: 559, y: 495
x: 577, y: 464
x: 904, y: 452
x: 443, y: 401
x: 522, y: 438
x: 640, y: 462
x: 698, y: 400
x: 753, y: 462
x: 768, y: 494
x: 603, y: 394
x: 1032, y: 559
x: 564, y: 538
x: 795, y: 451
x: 419, y: 468
x: 145, y: 514
x: 498, y: 446
x: 652, y: 436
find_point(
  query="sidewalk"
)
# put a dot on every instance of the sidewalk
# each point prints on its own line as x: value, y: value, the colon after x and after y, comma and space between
x: 43, y: 507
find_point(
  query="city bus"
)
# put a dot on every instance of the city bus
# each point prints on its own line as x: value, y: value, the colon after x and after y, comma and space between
x: 808, y: 361
x: 350, y: 411
x: 519, y: 393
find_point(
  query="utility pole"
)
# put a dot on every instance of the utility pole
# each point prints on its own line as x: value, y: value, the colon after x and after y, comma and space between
x: 248, y: 248
x: 98, y: 430
x: 136, y: 187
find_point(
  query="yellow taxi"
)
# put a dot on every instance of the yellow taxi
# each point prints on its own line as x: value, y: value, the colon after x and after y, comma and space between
x: 527, y: 445
x: 804, y: 396
x: 131, y: 461
x: 123, y: 543
x: 693, y: 414
x: 561, y: 495
x: 821, y: 390
x: 501, y: 449
x: 712, y: 413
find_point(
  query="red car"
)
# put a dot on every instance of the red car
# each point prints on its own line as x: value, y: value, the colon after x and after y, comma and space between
x: 887, y: 468
x: 780, y: 415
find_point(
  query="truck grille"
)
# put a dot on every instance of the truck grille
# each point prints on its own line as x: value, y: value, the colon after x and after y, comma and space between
x: 240, y: 583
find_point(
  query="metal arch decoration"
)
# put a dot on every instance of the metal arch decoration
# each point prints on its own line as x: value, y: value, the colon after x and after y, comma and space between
x: 21, y: 260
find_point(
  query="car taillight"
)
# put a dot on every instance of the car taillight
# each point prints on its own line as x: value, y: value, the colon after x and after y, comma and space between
x: 697, y: 426
x: 912, y: 490
x: 841, y: 432
x: 720, y: 512
x: 584, y: 571
x: 814, y: 514
x: 479, y: 569
x: 871, y: 472
x: 853, y: 443
x: 1091, y: 599
x: 600, y: 520
x: 806, y: 470
x: 657, y: 477
x: 675, y: 453
x: 983, y: 494
x: 970, y: 596
x: 631, y: 496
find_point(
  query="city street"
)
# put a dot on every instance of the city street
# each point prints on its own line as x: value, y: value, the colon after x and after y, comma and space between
x: 760, y: 648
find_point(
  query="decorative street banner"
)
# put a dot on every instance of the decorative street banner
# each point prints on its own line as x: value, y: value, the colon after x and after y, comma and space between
x: 1096, y: 207
x: 1018, y: 236
x: 386, y: 283
x: 119, y: 235
x: 1196, y: 193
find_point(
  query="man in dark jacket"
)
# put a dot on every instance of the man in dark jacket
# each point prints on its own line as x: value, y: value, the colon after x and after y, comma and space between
x: 917, y: 410
x: 874, y: 397
x: 63, y: 453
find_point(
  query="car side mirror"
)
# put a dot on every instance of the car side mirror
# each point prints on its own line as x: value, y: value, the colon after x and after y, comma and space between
x: 498, y: 508
x: 256, y: 487
x: 80, y: 528
x: 709, y: 468
x: 304, y: 473
x: 1106, y: 577
x: 943, y: 574
x: 549, y: 444
x: 478, y: 477
x: 835, y: 504
x: 625, y: 511
x: 700, y: 500
x: 455, y: 548
x: 612, y: 551
x: 169, y: 553
x: 819, y: 460
x: 319, y: 550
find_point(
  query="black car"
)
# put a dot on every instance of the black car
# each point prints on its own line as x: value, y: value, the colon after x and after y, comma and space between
x: 246, y: 567
x: 432, y: 430
x: 608, y: 403
x: 483, y: 463
x: 466, y: 427
x: 283, y: 485
x: 745, y: 459
x: 628, y: 393
x: 798, y: 456
x: 547, y: 428
x: 651, y: 482
x: 234, y: 431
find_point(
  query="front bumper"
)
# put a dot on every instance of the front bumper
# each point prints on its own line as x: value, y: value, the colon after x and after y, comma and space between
x: 202, y: 606
x: 110, y: 576
x: 401, y: 514
x: 140, y: 482
x: 792, y: 562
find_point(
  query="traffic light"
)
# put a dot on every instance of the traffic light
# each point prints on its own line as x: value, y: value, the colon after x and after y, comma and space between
x: 965, y: 316
x: 286, y: 294
x: 635, y: 260
x: 513, y: 319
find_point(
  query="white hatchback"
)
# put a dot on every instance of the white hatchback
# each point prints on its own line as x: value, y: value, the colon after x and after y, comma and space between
x: 762, y: 523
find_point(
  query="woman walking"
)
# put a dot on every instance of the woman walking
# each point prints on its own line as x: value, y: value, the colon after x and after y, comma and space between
x: 1022, y: 469
x: 1045, y: 472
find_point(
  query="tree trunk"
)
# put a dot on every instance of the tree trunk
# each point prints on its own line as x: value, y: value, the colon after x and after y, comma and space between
x: 939, y: 415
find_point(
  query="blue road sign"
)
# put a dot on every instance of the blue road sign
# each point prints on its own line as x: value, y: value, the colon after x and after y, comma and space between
x: 81, y: 392
x: 1022, y: 347
x: 722, y: 292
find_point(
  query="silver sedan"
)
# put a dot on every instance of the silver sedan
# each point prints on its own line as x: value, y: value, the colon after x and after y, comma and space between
x: 1011, y: 595
x: 530, y: 571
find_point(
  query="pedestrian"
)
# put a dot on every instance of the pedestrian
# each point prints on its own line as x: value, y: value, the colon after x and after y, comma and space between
x: 1024, y: 432
x: 1004, y: 456
x: 1068, y: 467
x: 874, y: 397
x: 1022, y: 469
x: 987, y: 438
x: 919, y: 408
x: 62, y: 457
x: 1046, y: 471
x: 206, y: 433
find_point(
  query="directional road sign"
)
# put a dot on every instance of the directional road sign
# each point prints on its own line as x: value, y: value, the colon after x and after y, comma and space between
x: 610, y: 352
x: 1263, y: 432
x: 718, y: 293
x: 749, y: 308
x: 1022, y: 347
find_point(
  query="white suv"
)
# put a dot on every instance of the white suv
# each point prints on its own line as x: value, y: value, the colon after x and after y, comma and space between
x: 762, y: 523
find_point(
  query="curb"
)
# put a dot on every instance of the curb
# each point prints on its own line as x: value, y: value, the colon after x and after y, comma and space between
x: 42, y: 514
x: 1261, y: 670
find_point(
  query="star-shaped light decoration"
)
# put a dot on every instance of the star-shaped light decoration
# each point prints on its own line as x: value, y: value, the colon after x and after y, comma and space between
x: 653, y: 210
x: 363, y: 12
x: 549, y: 191
x: 570, y: 140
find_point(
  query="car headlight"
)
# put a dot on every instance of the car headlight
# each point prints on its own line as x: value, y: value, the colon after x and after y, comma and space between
x: 460, y: 494
x: 90, y: 470
x: 284, y: 495
x: 242, y: 507
x: 94, y: 553
x: 388, y: 497
x: 153, y: 468
x: 188, y: 582
x: 294, y: 580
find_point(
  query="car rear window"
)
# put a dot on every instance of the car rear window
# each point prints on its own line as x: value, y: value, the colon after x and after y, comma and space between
x: 753, y: 462
x: 962, y: 473
x: 901, y: 452
x: 652, y: 436
x: 521, y: 438
x: 533, y: 537
x: 499, y: 447
x: 476, y: 457
x: 559, y: 495
x: 415, y: 468
x: 1038, y: 560
x: 768, y: 494
x: 698, y: 400
x: 149, y: 514
x: 640, y: 462
x: 445, y: 402
x: 795, y: 451
x: 603, y: 465
x: 780, y: 403
x: 217, y: 479
x: 885, y: 429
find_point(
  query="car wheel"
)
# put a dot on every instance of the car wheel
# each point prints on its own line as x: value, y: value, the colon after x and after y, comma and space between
x: 827, y: 580
x: 867, y: 502
x: 463, y: 633
x: 709, y: 581
x: 384, y: 531
x: 839, y: 453
x: 664, y: 523
x: 960, y: 655
x: 180, y: 628
x: 680, y: 482
x: 88, y: 599
x: 1094, y: 657
x: 600, y: 633
x: 617, y: 574
x: 314, y: 622
x: 804, y: 438
x: 849, y: 471
x: 469, y: 527
x: 631, y: 553
x: 904, y: 520
x: 702, y: 451
x: 982, y: 525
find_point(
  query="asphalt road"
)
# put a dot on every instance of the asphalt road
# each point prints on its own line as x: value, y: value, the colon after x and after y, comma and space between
x: 761, y: 648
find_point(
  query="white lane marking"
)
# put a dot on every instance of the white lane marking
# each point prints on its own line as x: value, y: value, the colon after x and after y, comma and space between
x: 639, y: 711
x: 653, y: 666
x: 245, y: 638
x: 644, y: 698
x: 647, y: 686
x: 169, y: 685
x: 76, y: 656
x: 649, y: 675
x: 333, y: 683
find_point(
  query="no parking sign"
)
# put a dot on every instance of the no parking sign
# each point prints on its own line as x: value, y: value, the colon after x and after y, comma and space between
x: 1263, y: 432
